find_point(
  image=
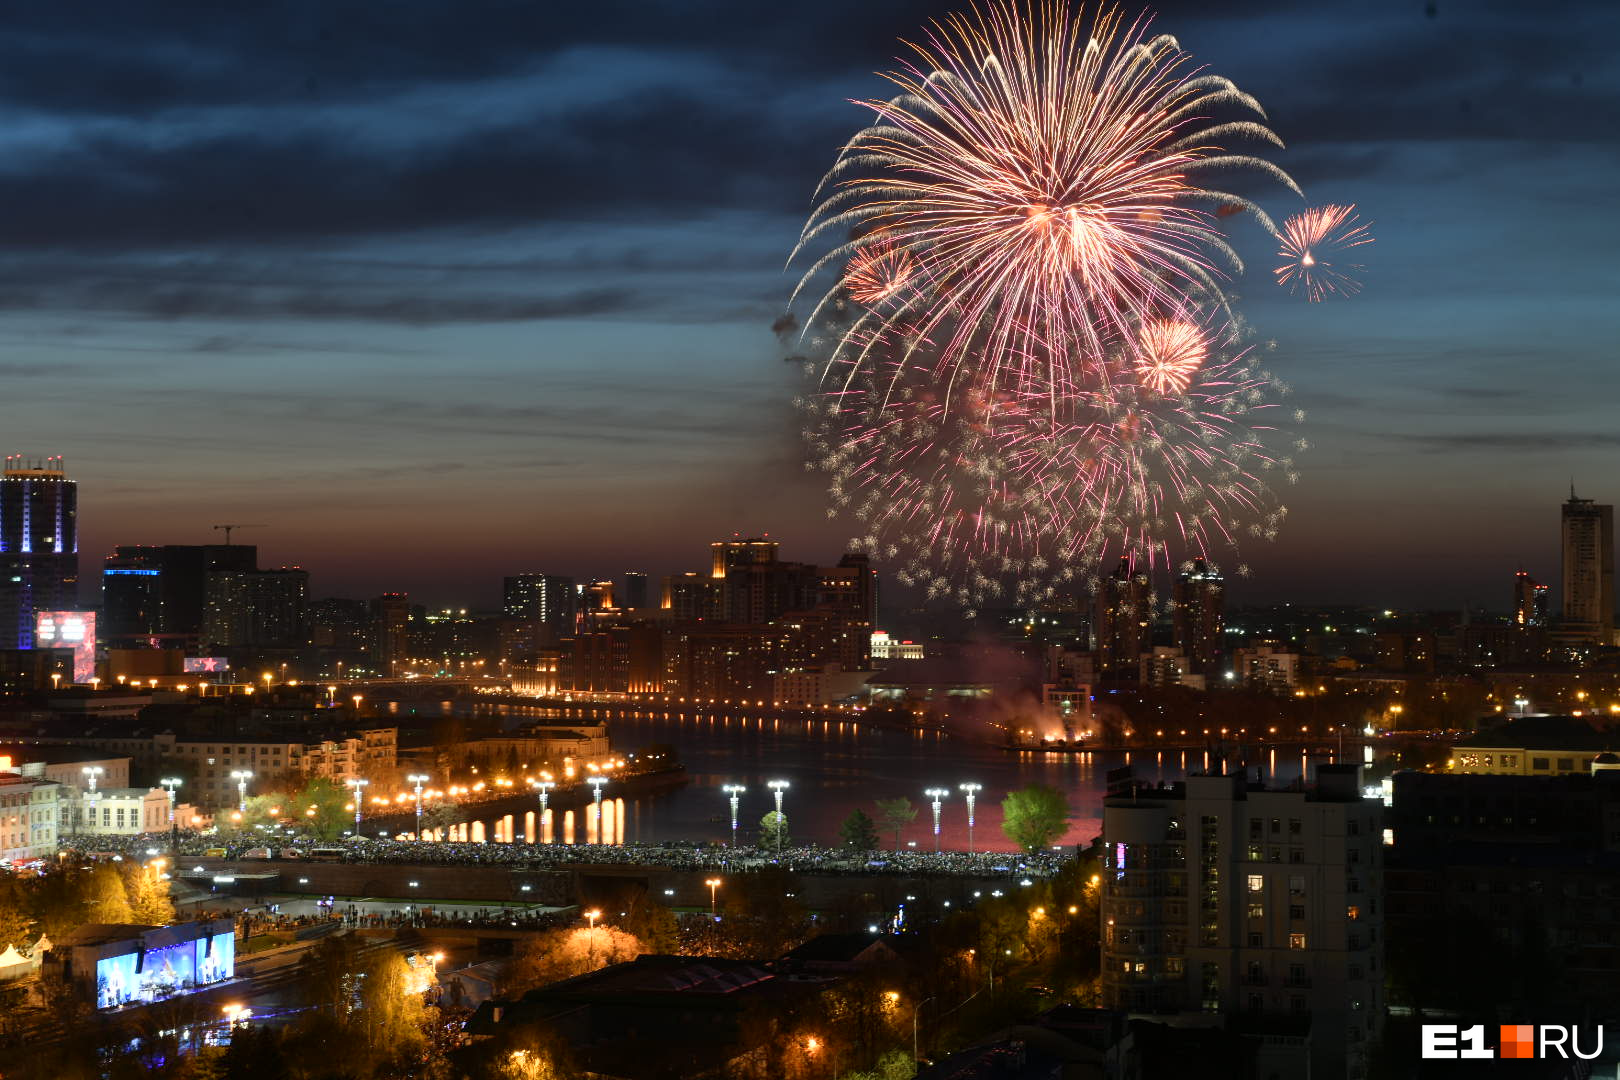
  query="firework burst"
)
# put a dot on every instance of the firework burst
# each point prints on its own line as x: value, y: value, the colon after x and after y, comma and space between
x: 878, y: 272
x: 1041, y: 173
x: 1314, y: 243
x: 1168, y: 352
x: 990, y: 496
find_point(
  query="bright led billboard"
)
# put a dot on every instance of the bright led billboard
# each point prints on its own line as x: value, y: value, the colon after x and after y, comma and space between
x: 74, y: 630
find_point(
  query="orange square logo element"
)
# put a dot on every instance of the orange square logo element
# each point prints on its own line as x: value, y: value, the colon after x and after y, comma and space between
x: 1518, y: 1041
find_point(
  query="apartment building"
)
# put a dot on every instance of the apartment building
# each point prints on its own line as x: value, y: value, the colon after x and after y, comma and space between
x: 1227, y: 901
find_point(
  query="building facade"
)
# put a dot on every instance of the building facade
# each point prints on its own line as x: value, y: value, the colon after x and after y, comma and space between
x: 1198, y: 616
x: 1588, y: 593
x: 30, y: 817
x: 1223, y: 897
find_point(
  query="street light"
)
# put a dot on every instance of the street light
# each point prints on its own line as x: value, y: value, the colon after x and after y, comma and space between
x: 713, y: 884
x: 736, y: 792
x: 241, y: 776
x: 914, y: 1014
x: 358, y: 786
x: 939, y: 795
x: 969, y: 791
x: 593, y: 915
x: 779, y: 786
x: 544, y: 787
x: 418, y: 779
x: 169, y: 784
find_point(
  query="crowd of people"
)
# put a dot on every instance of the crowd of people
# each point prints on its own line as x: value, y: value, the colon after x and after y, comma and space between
x: 804, y: 858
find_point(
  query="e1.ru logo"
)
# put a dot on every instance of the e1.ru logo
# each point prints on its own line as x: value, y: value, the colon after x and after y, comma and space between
x: 1515, y: 1041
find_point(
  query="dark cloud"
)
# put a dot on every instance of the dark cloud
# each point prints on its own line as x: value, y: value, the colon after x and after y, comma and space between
x: 1509, y: 442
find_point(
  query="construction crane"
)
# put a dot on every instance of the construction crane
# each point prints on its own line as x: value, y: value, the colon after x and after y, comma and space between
x: 227, y: 529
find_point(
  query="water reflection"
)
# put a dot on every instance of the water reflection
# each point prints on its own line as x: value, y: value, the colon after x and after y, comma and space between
x: 837, y: 766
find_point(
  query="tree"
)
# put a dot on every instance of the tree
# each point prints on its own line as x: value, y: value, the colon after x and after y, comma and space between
x: 652, y: 924
x: 148, y: 893
x: 773, y: 830
x: 106, y: 898
x: 896, y: 815
x: 859, y: 831
x: 16, y: 924
x: 562, y: 954
x: 328, y: 800
x: 1034, y: 816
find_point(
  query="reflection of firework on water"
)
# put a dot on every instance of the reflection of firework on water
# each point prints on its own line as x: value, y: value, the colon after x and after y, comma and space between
x: 1040, y: 172
x: 877, y: 272
x: 993, y: 496
x: 1168, y: 352
x: 1313, y: 242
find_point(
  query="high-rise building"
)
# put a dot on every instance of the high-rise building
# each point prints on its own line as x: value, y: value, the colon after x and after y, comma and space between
x: 1122, y: 620
x: 635, y: 589
x: 39, y: 545
x: 692, y: 596
x: 547, y: 599
x: 183, y: 571
x: 390, y: 618
x: 132, y: 593
x: 1529, y: 602
x: 1222, y: 897
x: 1588, y: 569
x: 1198, y: 616
x: 265, y: 608
x: 726, y: 554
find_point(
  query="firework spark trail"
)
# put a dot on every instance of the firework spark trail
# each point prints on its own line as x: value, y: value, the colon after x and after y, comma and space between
x: 1313, y: 242
x: 1040, y: 174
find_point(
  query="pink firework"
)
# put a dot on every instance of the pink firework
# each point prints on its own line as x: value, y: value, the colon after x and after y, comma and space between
x: 1169, y: 352
x: 1314, y: 243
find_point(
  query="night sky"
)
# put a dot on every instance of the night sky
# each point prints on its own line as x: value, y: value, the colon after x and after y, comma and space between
x: 443, y: 291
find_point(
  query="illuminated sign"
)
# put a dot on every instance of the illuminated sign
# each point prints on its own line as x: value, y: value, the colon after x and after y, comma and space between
x: 74, y: 630
x: 197, y: 664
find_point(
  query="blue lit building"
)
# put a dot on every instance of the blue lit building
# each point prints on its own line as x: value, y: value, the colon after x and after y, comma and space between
x: 39, y: 546
x: 129, y: 964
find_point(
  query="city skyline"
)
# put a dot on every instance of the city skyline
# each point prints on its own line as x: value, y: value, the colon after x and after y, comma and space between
x: 529, y: 326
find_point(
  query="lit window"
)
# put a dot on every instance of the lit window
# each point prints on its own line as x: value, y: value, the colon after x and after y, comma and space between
x: 1296, y: 941
x: 1352, y: 912
x: 1257, y: 882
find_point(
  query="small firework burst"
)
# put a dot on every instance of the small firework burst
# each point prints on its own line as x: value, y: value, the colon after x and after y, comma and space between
x: 877, y: 273
x: 1315, y: 244
x: 1169, y: 351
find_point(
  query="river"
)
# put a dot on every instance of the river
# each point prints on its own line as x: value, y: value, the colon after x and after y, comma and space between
x: 835, y: 766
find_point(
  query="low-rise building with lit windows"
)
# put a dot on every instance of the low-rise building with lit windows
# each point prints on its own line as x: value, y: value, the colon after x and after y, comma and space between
x: 30, y: 816
x: 1533, y: 746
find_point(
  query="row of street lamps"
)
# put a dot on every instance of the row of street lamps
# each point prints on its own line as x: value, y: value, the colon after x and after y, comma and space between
x: 938, y: 795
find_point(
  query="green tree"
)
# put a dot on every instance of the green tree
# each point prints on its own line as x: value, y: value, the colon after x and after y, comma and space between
x: 773, y: 831
x: 1034, y: 816
x: 896, y: 814
x: 392, y: 1018
x: 549, y: 957
x: 105, y: 897
x: 652, y: 924
x: 859, y: 831
x: 328, y: 800
x: 148, y: 894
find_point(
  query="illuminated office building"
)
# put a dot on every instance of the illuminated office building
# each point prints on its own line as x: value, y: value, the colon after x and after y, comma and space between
x: 39, y: 546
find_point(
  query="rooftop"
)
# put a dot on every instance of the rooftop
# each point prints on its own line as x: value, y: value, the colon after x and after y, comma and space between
x: 1545, y: 733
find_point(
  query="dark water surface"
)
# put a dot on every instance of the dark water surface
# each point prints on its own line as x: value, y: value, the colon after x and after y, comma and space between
x: 834, y: 767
